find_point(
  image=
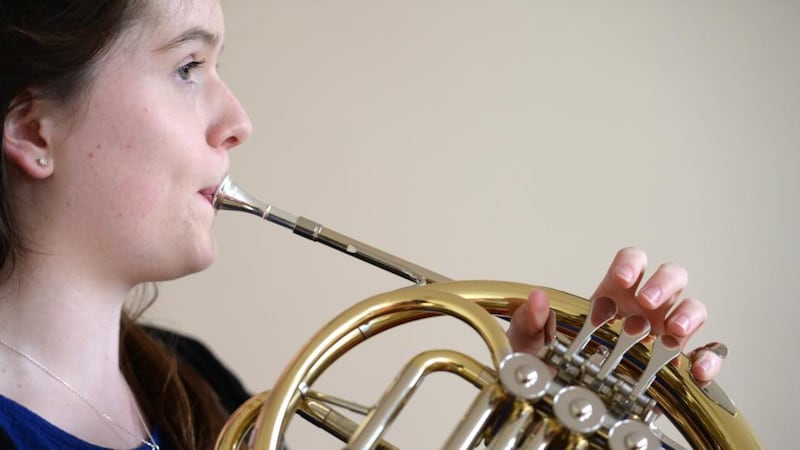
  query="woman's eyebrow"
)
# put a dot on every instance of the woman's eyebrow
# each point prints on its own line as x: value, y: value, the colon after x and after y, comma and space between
x: 192, y: 34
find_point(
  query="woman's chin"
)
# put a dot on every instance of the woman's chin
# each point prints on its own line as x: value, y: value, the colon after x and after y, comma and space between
x: 204, y: 258
x: 180, y: 262
x: 199, y: 260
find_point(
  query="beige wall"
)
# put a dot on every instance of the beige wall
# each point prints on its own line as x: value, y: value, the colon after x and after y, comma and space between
x: 518, y: 141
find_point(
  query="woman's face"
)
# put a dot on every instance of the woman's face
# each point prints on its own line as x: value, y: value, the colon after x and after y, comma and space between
x: 135, y: 167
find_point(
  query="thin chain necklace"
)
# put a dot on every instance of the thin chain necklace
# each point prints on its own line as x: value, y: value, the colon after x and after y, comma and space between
x: 150, y: 442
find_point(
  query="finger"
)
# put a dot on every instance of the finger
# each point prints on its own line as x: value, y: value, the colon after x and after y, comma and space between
x: 663, y: 287
x: 529, y: 323
x: 705, y: 365
x: 625, y: 272
x: 687, y: 317
x: 658, y: 319
x: 550, y: 328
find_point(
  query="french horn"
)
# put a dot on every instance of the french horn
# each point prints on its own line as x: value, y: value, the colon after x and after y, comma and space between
x: 601, y: 383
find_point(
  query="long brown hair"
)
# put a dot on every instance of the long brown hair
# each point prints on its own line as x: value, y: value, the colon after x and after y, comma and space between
x: 188, y: 413
x: 51, y: 46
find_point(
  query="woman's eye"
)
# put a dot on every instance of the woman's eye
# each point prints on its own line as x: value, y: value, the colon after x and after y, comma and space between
x: 185, y: 71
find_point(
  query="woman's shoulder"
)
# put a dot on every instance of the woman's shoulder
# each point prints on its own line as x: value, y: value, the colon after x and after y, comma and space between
x: 205, y: 363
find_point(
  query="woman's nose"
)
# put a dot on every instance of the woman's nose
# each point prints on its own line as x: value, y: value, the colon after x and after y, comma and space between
x: 232, y: 125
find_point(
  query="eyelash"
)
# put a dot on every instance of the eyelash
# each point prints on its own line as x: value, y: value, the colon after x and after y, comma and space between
x: 185, y: 71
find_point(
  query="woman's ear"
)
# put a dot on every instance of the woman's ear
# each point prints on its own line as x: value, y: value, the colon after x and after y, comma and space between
x: 24, y: 139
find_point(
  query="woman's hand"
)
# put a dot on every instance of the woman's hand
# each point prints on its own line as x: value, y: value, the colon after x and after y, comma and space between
x: 658, y: 299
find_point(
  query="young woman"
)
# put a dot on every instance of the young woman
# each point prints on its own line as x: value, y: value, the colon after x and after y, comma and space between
x: 116, y: 131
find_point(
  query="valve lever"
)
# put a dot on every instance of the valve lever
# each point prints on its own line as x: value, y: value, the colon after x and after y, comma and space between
x: 634, y: 329
x: 665, y: 349
x: 601, y: 311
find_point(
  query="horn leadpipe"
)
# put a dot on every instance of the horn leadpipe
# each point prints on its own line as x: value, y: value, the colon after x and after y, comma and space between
x: 229, y: 196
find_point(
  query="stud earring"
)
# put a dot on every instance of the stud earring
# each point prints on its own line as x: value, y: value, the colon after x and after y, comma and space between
x: 42, y: 162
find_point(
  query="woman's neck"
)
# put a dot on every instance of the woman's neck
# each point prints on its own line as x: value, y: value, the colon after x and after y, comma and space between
x: 66, y: 318
x: 65, y: 327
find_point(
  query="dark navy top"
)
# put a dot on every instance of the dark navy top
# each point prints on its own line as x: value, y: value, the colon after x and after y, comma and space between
x: 27, y: 430
x: 22, y: 429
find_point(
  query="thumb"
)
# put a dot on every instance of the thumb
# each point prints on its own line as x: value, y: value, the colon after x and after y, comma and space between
x: 531, y: 324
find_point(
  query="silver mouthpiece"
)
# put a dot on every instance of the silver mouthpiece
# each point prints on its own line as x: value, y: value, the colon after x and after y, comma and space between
x: 229, y: 196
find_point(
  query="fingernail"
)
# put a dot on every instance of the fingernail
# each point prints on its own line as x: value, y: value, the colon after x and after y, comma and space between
x: 626, y: 273
x: 682, y: 321
x: 704, y: 364
x: 651, y: 295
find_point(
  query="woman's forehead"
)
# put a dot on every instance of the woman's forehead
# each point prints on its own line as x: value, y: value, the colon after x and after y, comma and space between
x: 170, y: 23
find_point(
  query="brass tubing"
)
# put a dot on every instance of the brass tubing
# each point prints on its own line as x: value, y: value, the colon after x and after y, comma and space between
x: 472, y: 426
x: 409, y: 379
x: 338, y: 425
x: 272, y: 420
x: 511, y: 432
x: 240, y: 422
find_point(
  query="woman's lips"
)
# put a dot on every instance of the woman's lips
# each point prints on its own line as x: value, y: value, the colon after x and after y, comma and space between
x: 208, y: 193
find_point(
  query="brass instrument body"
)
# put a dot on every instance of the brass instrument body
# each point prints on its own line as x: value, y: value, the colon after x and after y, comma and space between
x: 508, y: 412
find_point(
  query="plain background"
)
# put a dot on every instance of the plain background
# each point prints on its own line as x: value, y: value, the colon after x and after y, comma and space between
x: 519, y: 140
